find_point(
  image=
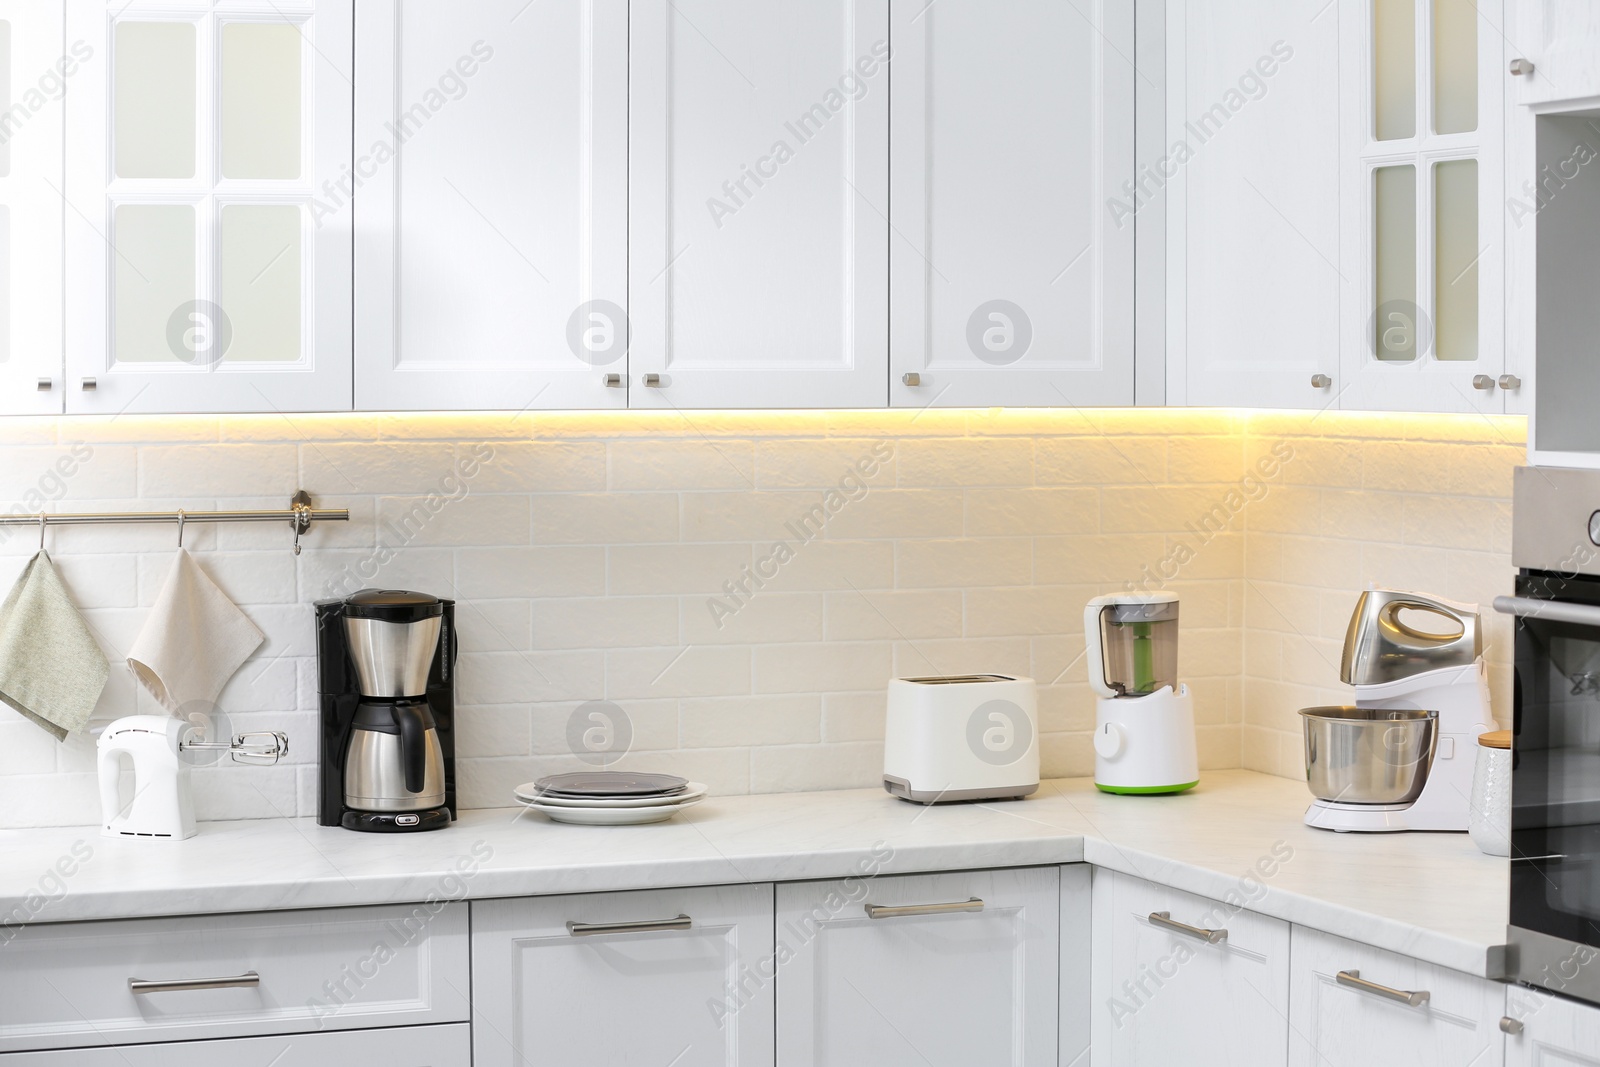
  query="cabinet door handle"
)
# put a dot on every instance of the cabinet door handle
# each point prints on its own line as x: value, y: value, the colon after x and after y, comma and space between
x: 880, y: 911
x: 611, y: 381
x: 1320, y: 381
x: 1511, y: 1026
x: 88, y: 384
x: 1521, y: 67
x: 653, y: 380
x: 1165, y: 920
x: 911, y: 378
x: 45, y: 385
x: 247, y: 980
x: 1482, y: 381
x: 1353, y: 980
x: 640, y: 926
x: 1509, y: 381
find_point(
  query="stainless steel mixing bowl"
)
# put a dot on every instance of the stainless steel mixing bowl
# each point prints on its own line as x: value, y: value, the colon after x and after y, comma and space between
x: 1369, y: 755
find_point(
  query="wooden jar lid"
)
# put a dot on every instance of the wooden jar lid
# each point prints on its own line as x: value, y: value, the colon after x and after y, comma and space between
x: 1495, y: 739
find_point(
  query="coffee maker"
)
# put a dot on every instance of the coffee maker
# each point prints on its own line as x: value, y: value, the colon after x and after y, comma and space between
x: 386, y: 693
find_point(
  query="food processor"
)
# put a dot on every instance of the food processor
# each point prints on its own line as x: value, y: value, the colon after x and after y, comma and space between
x: 1144, y: 719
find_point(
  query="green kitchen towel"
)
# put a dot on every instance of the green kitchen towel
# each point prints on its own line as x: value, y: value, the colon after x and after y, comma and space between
x: 51, y: 669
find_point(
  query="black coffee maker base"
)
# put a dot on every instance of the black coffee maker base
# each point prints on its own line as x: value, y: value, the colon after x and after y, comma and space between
x: 396, y: 822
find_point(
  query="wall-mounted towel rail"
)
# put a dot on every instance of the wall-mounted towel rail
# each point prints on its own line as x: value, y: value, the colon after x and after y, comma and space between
x: 300, y: 515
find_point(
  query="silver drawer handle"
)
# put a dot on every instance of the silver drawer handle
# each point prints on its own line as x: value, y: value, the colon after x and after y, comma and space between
x: 880, y: 911
x: 1353, y: 980
x: 1165, y: 920
x: 1549, y: 610
x: 576, y: 929
x: 247, y: 980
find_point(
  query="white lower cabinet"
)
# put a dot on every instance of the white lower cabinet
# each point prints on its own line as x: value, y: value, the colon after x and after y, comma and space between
x: 1180, y: 978
x: 69, y: 985
x: 404, y: 1046
x: 660, y: 976
x: 932, y: 969
x: 1550, y: 1031
x: 1352, y: 1005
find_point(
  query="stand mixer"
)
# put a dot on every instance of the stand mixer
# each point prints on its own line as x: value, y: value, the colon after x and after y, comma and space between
x: 1421, y: 700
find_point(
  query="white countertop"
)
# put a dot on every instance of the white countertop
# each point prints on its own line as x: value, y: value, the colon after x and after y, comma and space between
x: 1432, y: 896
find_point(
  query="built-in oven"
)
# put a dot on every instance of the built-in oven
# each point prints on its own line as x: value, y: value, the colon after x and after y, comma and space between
x: 1554, y: 935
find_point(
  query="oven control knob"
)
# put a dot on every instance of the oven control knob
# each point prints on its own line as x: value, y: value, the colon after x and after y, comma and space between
x: 1594, y: 528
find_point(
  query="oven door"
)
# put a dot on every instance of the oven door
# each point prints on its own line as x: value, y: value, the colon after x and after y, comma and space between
x: 1555, y: 820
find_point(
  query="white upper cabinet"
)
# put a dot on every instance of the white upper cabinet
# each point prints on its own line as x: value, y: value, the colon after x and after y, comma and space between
x: 207, y: 241
x: 1423, y: 251
x: 1559, y: 43
x: 1011, y: 252
x: 36, y: 67
x: 758, y: 203
x: 491, y: 220
x: 1252, y: 182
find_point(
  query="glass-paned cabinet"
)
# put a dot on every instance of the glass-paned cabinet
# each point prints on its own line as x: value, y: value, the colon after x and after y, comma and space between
x: 208, y: 196
x: 35, y: 71
x: 1423, y: 251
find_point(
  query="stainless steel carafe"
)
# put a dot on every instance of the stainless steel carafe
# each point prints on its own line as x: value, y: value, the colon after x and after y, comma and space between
x: 395, y: 763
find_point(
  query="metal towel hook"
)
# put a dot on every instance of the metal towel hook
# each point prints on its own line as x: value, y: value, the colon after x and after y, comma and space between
x: 180, y: 527
x: 41, y: 531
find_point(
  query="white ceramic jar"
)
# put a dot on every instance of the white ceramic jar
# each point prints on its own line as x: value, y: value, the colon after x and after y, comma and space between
x: 1490, y: 820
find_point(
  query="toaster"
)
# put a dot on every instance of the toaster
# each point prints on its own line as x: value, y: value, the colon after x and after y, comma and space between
x: 961, y: 737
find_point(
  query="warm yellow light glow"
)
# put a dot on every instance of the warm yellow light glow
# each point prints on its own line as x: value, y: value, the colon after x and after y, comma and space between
x: 949, y: 422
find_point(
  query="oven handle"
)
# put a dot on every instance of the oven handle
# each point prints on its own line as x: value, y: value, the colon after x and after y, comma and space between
x: 1548, y: 610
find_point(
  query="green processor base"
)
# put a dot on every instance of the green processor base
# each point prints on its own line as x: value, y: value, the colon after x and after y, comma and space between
x: 1145, y: 790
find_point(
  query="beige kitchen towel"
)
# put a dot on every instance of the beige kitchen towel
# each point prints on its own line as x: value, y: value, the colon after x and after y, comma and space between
x: 51, y: 668
x: 193, y: 641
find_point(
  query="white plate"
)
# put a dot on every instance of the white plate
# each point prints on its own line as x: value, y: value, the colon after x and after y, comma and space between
x: 528, y: 795
x: 611, y: 816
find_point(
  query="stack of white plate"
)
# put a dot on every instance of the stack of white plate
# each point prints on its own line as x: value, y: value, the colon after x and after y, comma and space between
x: 610, y: 798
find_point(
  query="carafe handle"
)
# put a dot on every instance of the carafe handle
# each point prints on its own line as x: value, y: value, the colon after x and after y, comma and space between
x: 413, y: 745
x: 1094, y: 654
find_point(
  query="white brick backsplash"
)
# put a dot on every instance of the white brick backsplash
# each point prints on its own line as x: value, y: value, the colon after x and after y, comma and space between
x: 605, y: 622
x: 584, y: 551
x: 862, y: 614
x: 690, y: 671
x: 750, y: 721
x: 604, y: 518
x: 530, y: 572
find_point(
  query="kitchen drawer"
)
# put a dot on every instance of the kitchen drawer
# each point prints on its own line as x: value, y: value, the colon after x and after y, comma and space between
x: 1164, y: 994
x: 1333, y: 1024
x: 65, y: 985
x: 681, y: 977
x: 922, y: 982
x: 406, y: 1046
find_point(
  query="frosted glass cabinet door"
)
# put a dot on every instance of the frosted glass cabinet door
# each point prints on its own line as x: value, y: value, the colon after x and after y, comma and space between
x: 208, y: 222
x: 34, y: 69
x: 1011, y: 270
x: 1422, y: 247
x: 758, y: 192
x: 491, y: 251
